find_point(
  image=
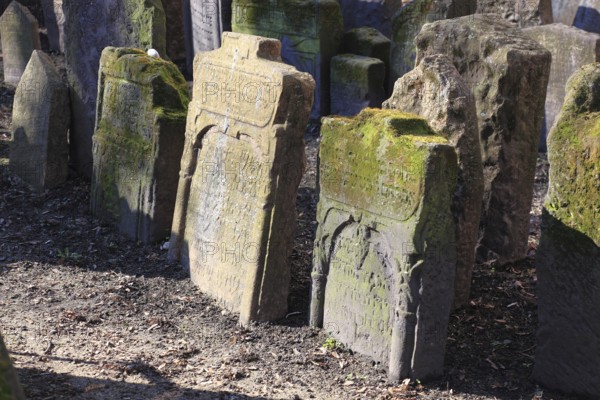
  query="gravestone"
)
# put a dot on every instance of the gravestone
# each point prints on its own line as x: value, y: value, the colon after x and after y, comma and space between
x: 242, y: 163
x: 368, y: 42
x: 356, y: 83
x: 523, y: 13
x: 10, y: 388
x: 436, y: 91
x: 54, y: 20
x: 384, y: 261
x: 508, y: 73
x: 373, y: 13
x: 90, y: 26
x: 19, y: 35
x: 174, y: 35
x: 310, y: 32
x: 568, y: 257
x: 587, y: 16
x: 39, y: 151
x: 571, y: 48
x: 140, y: 129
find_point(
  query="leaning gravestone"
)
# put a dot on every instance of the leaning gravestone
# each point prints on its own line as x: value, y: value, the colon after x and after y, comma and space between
x: 39, y: 151
x: 436, y: 91
x: 241, y: 167
x: 310, y: 32
x: 368, y: 42
x: 140, y: 125
x: 356, y: 83
x: 373, y: 13
x: 587, y: 16
x: 19, y: 35
x: 568, y: 258
x: 571, y: 48
x: 384, y: 261
x: 10, y: 389
x: 520, y: 12
x: 508, y: 73
x: 90, y: 26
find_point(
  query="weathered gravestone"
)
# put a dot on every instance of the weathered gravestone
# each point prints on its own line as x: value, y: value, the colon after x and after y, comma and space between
x: 54, y: 20
x: 520, y: 12
x: 373, y: 13
x: 508, y: 73
x: 241, y: 167
x: 19, y: 35
x: 384, y: 261
x: 140, y: 130
x: 10, y: 389
x: 175, y: 29
x: 436, y: 91
x: 356, y: 83
x: 587, y: 16
x: 568, y: 258
x: 39, y: 151
x: 90, y: 26
x: 571, y: 48
x: 368, y: 42
x: 310, y: 32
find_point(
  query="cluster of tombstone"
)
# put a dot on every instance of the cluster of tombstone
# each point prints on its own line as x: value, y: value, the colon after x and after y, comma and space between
x: 427, y: 166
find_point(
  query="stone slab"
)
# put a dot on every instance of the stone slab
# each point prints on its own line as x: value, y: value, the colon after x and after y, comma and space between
x: 10, y: 388
x: 368, y: 42
x: 523, y: 13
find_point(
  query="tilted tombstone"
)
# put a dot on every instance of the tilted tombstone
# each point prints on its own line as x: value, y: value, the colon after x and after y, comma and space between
x: 90, y: 26
x: 384, y: 257
x: 20, y: 36
x: 587, y: 16
x: 368, y: 42
x: 571, y: 48
x: 39, y: 151
x: 9, y: 381
x: 242, y: 163
x: 568, y: 257
x: 520, y: 12
x: 436, y: 91
x: 373, y: 13
x: 508, y: 73
x: 174, y: 35
x: 138, y: 142
x: 310, y: 32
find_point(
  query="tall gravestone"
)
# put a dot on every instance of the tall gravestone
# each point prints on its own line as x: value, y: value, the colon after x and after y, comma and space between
x: 310, y: 32
x: 39, y: 151
x: 520, y: 12
x: 436, y: 91
x: 175, y: 29
x: 138, y: 142
x: 242, y: 164
x: 90, y: 26
x: 571, y: 48
x: 10, y: 389
x: 568, y: 257
x: 373, y: 13
x: 384, y: 261
x: 508, y: 73
x: 587, y: 16
x: 19, y: 35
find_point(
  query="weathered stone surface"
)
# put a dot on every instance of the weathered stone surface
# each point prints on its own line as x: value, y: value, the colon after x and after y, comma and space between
x: 356, y: 83
x: 436, y: 91
x: 19, y: 35
x: 10, y: 389
x: 140, y: 125
x: 587, y: 16
x: 174, y: 35
x: 90, y: 26
x: 373, y: 13
x: 310, y: 32
x: 571, y: 48
x: 51, y: 22
x: 520, y: 12
x: 568, y: 258
x: 384, y: 261
x: 508, y: 74
x: 368, y: 42
x: 408, y: 22
x: 242, y: 163
x: 39, y: 151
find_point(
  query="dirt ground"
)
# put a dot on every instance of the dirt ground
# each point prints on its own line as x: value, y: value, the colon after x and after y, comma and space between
x: 88, y: 314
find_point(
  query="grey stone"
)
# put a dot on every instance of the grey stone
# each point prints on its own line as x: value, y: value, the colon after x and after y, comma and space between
x: 175, y: 29
x: 587, y: 16
x: 10, y: 388
x: 372, y: 13
x: 520, y: 12
x: 54, y: 20
x: 368, y: 42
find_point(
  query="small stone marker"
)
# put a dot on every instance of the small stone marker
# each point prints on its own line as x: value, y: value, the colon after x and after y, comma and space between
x: 384, y: 257
x: 356, y: 83
x: 10, y: 388
x: 140, y: 125
x: 242, y: 164
x: 436, y: 91
x: 20, y: 36
x: 368, y: 42
x: 571, y: 48
x: 508, y: 73
x: 568, y: 257
x: 520, y: 12
x: 39, y: 151
x: 587, y: 16
x: 373, y: 13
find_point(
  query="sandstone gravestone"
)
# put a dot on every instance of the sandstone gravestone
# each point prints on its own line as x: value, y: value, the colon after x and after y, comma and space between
x: 39, y: 151
x: 356, y: 83
x: 587, y: 16
x: 436, y: 91
x: 90, y: 26
x: 19, y: 35
x: 386, y: 183
x: 520, y: 12
x: 508, y: 74
x: 241, y: 167
x: 10, y: 389
x: 174, y: 35
x: 373, y: 13
x: 368, y: 42
x: 571, y: 48
x: 140, y: 129
x: 310, y: 32
x: 568, y: 258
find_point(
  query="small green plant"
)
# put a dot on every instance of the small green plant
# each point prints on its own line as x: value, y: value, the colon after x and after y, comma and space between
x: 332, y: 344
x: 68, y: 255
